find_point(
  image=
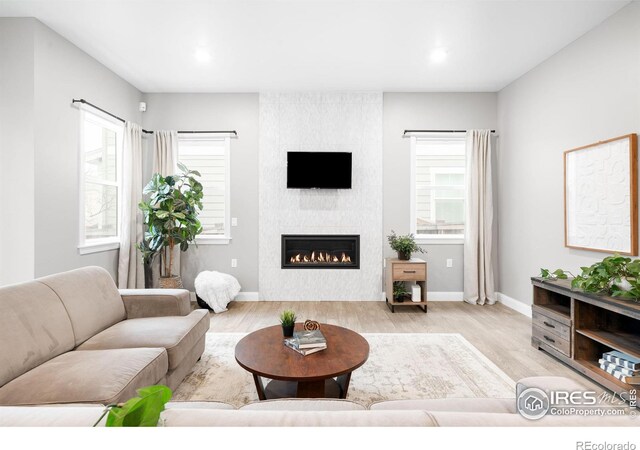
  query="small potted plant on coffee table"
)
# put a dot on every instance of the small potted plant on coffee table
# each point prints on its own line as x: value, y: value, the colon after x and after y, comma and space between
x: 404, y: 245
x: 288, y: 321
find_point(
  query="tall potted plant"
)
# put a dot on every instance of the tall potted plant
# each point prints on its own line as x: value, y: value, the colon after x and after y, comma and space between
x: 171, y: 216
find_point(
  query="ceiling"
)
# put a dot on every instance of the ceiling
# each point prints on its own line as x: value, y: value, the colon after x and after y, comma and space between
x: 370, y: 45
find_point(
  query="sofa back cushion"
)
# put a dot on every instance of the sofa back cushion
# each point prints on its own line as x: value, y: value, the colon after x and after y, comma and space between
x: 34, y: 328
x: 91, y: 299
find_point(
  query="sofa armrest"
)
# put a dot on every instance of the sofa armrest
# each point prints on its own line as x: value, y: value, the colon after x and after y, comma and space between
x: 155, y: 302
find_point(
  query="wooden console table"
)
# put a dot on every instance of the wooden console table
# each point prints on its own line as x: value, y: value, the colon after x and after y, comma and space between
x: 414, y: 269
x: 577, y: 328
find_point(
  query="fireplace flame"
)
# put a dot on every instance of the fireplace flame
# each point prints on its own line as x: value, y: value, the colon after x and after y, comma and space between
x: 320, y: 257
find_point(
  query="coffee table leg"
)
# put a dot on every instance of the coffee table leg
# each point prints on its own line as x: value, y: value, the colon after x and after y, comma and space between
x: 259, y: 387
x: 343, y: 382
x: 311, y: 389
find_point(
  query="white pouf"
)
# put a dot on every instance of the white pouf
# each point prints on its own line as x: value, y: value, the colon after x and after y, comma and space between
x: 216, y: 289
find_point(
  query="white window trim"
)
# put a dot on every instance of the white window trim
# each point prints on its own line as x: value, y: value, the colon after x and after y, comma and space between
x: 218, y: 239
x: 87, y: 246
x: 439, y: 239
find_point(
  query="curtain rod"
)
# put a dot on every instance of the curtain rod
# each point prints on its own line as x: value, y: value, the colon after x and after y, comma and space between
x: 145, y: 131
x: 438, y: 131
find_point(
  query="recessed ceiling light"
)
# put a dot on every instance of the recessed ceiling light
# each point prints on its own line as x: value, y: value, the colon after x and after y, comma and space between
x: 438, y: 55
x: 202, y: 56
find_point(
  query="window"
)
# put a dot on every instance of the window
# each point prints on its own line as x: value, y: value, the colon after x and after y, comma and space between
x: 100, y: 159
x: 209, y: 155
x: 438, y: 188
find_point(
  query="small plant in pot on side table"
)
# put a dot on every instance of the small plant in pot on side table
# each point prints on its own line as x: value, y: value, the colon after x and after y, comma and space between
x: 405, y: 245
x: 288, y: 321
x: 400, y: 291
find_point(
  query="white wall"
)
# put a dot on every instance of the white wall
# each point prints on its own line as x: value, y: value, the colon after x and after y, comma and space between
x: 321, y: 122
x: 588, y: 92
x: 433, y: 111
x: 17, y: 219
x: 218, y: 112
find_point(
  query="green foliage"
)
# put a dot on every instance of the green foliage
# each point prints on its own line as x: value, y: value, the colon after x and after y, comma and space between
x: 403, y: 244
x: 141, y: 411
x: 615, y: 275
x: 170, y: 215
x: 399, y: 290
x: 557, y: 274
x: 287, y: 317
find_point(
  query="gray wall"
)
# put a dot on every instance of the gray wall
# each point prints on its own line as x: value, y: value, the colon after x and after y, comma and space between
x: 63, y: 72
x: 439, y: 111
x: 218, y: 112
x: 588, y: 92
x: 17, y: 244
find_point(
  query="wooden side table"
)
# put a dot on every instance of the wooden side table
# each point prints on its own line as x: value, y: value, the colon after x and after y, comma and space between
x: 414, y: 269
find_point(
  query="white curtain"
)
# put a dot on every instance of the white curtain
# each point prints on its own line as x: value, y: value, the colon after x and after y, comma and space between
x: 478, y: 264
x: 165, y: 159
x: 130, y: 267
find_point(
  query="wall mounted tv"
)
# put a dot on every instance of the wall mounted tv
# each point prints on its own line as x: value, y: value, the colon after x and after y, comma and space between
x: 318, y: 170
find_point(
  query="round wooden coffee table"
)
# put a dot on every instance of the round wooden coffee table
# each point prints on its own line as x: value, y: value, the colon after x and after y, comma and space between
x: 325, y: 374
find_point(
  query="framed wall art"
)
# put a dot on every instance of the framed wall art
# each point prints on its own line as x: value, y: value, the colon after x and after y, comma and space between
x: 600, y: 196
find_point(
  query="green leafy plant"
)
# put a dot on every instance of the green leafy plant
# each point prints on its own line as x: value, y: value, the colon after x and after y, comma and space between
x: 614, y: 275
x: 405, y: 244
x: 141, y: 411
x: 287, y: 318
x: 171, y: 216
x: 557, y: 274
x: 399, y: 290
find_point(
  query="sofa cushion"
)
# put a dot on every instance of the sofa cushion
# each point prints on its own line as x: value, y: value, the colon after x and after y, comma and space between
x: 458, y: 419
x: 51, y: 416
x: 34, y: 327
x: 91, y: 299
x: 300, y: 404
x: 99, y: 376
x: 177, y: 334
x: 476, y: 405
x: 181, y: 417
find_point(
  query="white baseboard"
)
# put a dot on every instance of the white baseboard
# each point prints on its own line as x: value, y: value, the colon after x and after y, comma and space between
x: 247, y: 297
x: 514, y: 304
x: 444, y: 296
x: 434, y: 296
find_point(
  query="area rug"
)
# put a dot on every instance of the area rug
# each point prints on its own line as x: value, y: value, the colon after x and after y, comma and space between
x: 400, y: 366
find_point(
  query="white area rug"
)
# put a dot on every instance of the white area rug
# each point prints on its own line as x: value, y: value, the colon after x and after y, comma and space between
x: 400, y: 366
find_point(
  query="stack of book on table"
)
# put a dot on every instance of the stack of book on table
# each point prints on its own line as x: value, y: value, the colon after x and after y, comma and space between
x: 625, y: 368
x: 306, y: 342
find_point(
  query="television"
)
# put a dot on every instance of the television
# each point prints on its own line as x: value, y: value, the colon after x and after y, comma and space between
x: 318, y: 170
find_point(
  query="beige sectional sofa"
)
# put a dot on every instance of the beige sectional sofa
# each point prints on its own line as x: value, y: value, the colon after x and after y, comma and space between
x: 74, y: 337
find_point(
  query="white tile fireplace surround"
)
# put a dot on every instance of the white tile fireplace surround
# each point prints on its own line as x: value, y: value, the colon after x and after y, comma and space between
x: 326, y: 122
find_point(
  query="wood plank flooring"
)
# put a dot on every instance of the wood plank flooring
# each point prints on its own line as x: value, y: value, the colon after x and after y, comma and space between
x: 500, y: 333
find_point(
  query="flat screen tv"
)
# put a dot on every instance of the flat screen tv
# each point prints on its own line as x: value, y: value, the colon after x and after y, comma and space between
x: 318, y: 170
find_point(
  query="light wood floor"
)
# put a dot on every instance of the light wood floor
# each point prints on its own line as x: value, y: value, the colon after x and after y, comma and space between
x: 500, y: 333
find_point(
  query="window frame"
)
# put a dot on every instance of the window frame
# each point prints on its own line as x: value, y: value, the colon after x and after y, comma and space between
x: 95, y: 245
x: 443, y: 239
x: 225, y: 238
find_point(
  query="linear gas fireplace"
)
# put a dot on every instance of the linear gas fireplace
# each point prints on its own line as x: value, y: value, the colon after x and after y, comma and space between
x: 313, y: 251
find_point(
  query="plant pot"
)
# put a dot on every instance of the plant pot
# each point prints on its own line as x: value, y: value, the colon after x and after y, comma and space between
x: 404, y: 256
x: 173, y: 282
x: 287, y: 330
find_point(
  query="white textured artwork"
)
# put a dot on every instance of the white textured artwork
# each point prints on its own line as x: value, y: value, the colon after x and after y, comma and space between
x: 598, y: 197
